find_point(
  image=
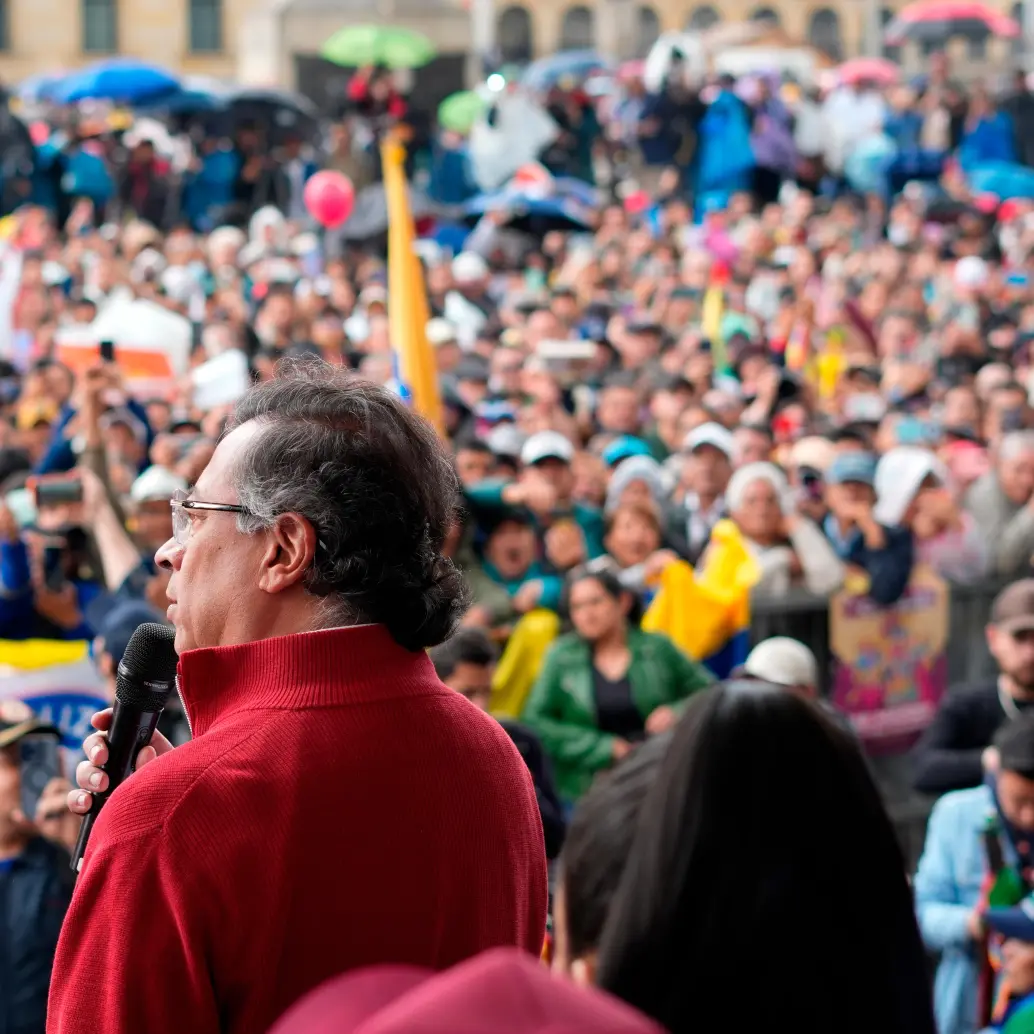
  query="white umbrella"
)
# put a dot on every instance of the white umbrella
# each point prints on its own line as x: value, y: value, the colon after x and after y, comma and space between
x: 520, y: 130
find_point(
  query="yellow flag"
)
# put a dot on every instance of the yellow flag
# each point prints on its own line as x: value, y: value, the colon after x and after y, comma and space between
x: 712, y: 310
x: 408, y: 311
x: 702, y: 611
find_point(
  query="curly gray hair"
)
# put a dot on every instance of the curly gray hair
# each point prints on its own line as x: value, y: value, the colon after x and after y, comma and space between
x: 376, y: 484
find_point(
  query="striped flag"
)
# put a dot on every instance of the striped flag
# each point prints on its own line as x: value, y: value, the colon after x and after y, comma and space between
x: 416, y: 370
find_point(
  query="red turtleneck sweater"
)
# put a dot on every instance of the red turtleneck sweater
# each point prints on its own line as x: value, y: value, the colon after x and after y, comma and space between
x: 337, y: 807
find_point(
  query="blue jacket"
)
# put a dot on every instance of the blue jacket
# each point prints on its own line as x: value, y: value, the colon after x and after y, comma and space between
x: 60, y: 456
x: 35, y: 889
x: 947, y: 889
x: 18, y: 617
x: 889, y: 569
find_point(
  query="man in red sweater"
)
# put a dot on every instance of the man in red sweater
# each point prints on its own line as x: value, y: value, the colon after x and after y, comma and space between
x: 337, y: 805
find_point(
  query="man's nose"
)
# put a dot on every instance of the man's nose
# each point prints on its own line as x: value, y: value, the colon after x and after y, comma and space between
x: 169, y: 556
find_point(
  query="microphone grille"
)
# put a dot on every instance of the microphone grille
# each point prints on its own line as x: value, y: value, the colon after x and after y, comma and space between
x: 148, y: 667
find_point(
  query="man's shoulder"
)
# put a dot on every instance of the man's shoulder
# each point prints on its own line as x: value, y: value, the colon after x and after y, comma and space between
x: 962, y: 806
x: 967, y: 695
x: 147, y: 801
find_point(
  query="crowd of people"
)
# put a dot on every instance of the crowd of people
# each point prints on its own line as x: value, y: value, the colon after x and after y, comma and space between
x: 760, y: 330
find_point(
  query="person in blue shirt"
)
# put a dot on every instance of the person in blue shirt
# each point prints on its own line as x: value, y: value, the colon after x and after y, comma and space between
x: 954, y: 867
x: 885, y: 553
x: 42, y: 590
x: 35, y: 884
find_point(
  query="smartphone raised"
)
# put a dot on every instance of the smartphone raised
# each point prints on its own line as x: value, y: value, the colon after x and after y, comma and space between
x: 39, y: 762
x: 107, y: 351
x: 53, y: 568
x: 56, y: 491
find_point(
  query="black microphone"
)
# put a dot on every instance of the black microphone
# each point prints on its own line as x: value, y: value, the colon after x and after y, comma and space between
x: 146, y: 675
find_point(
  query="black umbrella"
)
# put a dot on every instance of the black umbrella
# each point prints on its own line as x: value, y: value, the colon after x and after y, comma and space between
x: 280, y: 112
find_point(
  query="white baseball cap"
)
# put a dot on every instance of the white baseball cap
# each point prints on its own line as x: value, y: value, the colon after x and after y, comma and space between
x: 711, y: 434
x: 468, y: 267
x: 440, y: 332
x: 784, y: 662
x: 156, y: 483
x: 545, y: 445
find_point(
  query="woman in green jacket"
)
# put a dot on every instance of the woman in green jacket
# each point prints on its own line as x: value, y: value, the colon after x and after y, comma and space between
x: 606, y: 685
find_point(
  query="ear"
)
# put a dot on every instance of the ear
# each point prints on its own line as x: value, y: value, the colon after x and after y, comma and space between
x: 290, y: 553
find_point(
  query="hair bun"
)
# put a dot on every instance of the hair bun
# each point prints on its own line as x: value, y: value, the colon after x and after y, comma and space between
x: 423, y: 614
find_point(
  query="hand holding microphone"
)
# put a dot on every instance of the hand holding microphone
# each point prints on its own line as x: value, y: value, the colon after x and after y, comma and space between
x: 146, y: 676
x: 90, y: 775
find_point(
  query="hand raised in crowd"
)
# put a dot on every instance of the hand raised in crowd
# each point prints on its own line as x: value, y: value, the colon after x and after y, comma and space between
x: 53, y: 819
x: 656, y: 564
x: 661, y: 720
x: 89, y: 775
x: 61, y: 606
x: 565, y: 545
x: 527, y: 596
x: 532, y: 491
x: 621, y: 749
x: 9, y: 531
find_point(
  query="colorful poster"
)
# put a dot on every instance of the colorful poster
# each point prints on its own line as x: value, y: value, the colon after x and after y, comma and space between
x: 58, y: 680
x: 890, y: 663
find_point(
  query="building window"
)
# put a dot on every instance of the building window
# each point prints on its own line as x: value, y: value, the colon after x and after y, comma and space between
x: 648, y: 28
x: 703, y: 18
x: 892, y: 53
x: 206, y: 26
x: 516, y: 43
x: 578, y: 31
x: 824, y: 33
x: 768, y: 15
x: 100, y: 27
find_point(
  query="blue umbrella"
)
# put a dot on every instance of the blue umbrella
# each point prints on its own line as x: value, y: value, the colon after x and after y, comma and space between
x: 122, y: 80
x: 546, y: 72
x: 38, y: 88
x: 1004, y: 179
x: 533, y: 214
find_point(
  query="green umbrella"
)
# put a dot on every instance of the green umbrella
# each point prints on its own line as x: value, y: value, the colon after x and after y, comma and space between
x: 460, y: 111
x: 360, y: 45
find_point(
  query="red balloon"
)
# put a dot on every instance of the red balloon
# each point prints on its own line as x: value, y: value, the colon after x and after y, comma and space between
x: 329, y: 198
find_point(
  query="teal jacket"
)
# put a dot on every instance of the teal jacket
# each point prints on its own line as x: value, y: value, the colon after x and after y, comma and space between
x: 487, y: 498
x: 552, y: 584
x: 561, y: 707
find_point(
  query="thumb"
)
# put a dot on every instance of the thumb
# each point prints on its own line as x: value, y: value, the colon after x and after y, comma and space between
x: 145, y: 757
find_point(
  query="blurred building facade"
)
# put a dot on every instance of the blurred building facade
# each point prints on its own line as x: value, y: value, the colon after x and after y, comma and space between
x: 190, y: 36
x: 276, y: 41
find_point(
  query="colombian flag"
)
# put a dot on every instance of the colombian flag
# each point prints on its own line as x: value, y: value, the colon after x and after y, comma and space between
x: 415, y: 367
x: 707, y: 612
x: 57, y: 680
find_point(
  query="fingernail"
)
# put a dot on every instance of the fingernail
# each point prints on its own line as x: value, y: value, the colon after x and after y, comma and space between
x: 93, y: 753
x: 95, y: 779
x: 82, y: 800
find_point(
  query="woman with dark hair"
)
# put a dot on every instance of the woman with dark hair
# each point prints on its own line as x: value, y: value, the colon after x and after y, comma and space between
x: 765, y: 889
x: 607, y: 685
x: 596, y: 848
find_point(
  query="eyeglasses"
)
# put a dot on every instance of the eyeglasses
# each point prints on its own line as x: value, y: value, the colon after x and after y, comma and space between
x: 182, y: 525
x: 181, y: 507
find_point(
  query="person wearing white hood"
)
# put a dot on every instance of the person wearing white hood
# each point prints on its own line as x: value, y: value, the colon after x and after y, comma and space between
x: 790, y: 549
x: 913, y: 491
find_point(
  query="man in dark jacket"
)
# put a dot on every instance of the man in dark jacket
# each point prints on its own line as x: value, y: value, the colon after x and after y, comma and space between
x: 466, y: 663
x: 35, y: 886
x: 955, y: 750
